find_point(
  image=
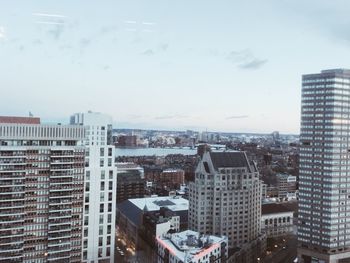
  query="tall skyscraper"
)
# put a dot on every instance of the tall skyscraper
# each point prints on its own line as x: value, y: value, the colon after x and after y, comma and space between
x: 324, y: 180
x: 100, y: 187
x: 225, y: 198
x: 41, y: 191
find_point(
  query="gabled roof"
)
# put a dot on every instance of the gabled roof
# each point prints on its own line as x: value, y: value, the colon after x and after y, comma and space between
x: 19, y: 120
x: 229, y: 159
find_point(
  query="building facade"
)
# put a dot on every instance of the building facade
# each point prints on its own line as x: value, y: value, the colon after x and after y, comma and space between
x: 131, y: 213
x: 276, y: 220
x: 190, y: 246
x: 225, y: 198
x: 324, y: 176
x: 41, y: 191
x: 131, y: 181
x: 100, y: 187
x: 286, y: 185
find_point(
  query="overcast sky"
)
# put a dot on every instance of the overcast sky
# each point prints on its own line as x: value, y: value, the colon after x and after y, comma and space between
x: 172, y: 64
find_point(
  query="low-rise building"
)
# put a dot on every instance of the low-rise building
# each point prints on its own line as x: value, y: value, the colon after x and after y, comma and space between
x: 276, y: 219
x: 190, y: 246
x: 130, y: 215
x: 286, y: 184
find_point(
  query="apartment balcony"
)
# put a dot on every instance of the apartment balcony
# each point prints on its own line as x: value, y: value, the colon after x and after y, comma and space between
x: 59, y: 258
x: 11, y: 239
x: 7, y: 257
x: 57, y: 189
x: 55, y: 238
x: 60, y: 228
x: 60, y: 215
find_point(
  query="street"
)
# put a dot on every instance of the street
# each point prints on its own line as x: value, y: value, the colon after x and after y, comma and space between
x: 286, y: 253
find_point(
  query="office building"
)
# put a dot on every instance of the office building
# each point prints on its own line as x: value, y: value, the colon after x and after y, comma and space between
x: 157, y: 223
x: 190, y: 246
x: 324, y: 174
x: 41, y: 191
x: 100, y: 187
x: 131, y: 181
x: 225, y: 200
x: 286, y: 185
x: 131, y: 212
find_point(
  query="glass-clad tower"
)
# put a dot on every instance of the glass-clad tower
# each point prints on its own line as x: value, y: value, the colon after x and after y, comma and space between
x: 324, y: 180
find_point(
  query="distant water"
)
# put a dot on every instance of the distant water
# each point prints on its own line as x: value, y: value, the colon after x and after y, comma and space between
x: 153, y: 151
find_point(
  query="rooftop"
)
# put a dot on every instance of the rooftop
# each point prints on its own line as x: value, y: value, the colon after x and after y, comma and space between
x: 189, y: 244
x: 174, y: 203
x: 133, y: 208
x: 19, y: 120
x: 229, y: 159
x: 275, y: 208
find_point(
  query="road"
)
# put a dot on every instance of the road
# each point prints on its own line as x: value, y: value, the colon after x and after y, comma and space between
x: 284, y: 255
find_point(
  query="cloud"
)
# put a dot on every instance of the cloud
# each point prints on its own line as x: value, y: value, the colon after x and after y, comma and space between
x: 2, y: 33
x: 37, y: 42
x: 129, y: 22
x: 148, y: 52
x: 48, y: 15
x: 148, y: 23
x: 56, y: 31
x: 169, y: 117
x: 84, y: 42
x: 163, y: 47
x: 245, y: 59
x: 106, y: 67
x: 254, y: 64
x: 237, y: 117
x: 147, y: 31
x: 108, y: 29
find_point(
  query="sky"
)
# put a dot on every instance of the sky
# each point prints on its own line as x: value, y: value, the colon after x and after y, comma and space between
x: 223, y: 65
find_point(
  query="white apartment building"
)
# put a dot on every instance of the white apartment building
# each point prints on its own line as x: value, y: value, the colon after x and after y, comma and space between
x: 191, y: 247
x: 100, y: 188
x: 225, y: 198
x: 41, y: 191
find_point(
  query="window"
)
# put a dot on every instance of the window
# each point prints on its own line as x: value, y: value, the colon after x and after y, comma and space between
x: 101, y: 208
x: 102, y: 175
x: 102, y: 152
x: 102, y: 186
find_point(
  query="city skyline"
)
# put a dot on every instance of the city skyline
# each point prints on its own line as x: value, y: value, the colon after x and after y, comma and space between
x: 199, y: 65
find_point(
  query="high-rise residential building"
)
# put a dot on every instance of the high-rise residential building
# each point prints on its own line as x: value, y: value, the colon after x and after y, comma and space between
x: 41, y: 191
x: 225, y: 198
x: 100, y: 187
x: 324, y: 176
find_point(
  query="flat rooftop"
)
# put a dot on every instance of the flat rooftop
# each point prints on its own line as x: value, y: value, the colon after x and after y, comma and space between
x: 190, y: 243
x: 133, y: 208
x: 19, y: 120
x: 277, y: 208
x: 174, y: 203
